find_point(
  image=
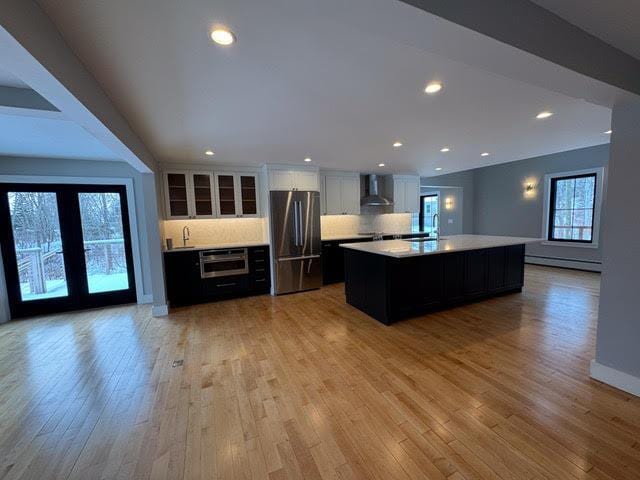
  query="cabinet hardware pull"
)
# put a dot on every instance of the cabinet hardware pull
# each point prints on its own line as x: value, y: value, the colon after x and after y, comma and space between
x: 261, y: 280
x: 226, y: 285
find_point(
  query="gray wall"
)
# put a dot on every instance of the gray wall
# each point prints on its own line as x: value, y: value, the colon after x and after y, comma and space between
x: 145, y: 207
x: 493, y: 198
x: 618, y: 336
x: 463, y: 199
x: 500, y: 207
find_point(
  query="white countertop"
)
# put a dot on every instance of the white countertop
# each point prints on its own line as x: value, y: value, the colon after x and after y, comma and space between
x: 446, y: 244
x: 214, y: 246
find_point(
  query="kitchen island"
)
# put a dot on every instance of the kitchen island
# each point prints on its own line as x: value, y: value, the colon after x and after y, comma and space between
x: 394, y: 279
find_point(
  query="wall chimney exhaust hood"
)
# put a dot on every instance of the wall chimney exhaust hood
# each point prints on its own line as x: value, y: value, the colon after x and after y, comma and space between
x: 372, y: 197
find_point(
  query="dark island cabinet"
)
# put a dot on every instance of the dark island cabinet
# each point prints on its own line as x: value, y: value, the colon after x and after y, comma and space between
x: 333, y: 259
x: 389, y: 289
x: 186, y: 287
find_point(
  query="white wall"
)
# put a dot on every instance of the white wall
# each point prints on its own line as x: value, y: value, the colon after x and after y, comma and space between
x: 146, y: 210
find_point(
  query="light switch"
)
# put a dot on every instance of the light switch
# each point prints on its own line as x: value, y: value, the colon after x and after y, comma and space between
x: 451, y: 220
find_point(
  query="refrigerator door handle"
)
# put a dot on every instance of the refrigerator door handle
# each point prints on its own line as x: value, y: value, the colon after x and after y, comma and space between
x: 292, y: 259
x: 300, y: 233
x: 296, y: 221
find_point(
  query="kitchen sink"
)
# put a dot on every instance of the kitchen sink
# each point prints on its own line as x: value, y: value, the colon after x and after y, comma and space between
x: 183, y: 248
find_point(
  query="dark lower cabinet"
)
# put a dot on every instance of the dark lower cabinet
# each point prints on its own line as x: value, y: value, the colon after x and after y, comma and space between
x: 333, y: 260
x: 182, y: 277
x: 453, y: 276
x: 475, y: 272
x: 389, y: 289
x: 186, y: 287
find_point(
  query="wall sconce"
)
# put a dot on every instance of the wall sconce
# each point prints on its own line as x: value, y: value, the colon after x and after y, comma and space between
x: 448, y: 203
x: 529, y: 189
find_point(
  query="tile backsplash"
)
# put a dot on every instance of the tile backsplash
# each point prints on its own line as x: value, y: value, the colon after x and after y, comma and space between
x: 218, y: 230
x: 332, y: 225
x: 232, y: 230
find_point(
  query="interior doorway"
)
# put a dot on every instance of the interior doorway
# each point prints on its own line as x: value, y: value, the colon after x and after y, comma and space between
x: 65, y: 247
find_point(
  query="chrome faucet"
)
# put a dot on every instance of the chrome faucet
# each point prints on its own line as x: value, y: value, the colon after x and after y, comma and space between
x: 433, y: 225
x: 185, y: 235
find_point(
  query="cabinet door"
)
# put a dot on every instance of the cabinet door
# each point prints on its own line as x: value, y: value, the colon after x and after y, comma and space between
x: 248, y: 195
x: 177, y: 195
x: 431, y: 282
x: 453, y: 270
x: 496, y: 268
x: 399, y: 189
x: 281, y: 180
x: 412, y: 195
x: 333, y: 195
x: 305, y: 181
x: 475, y: 274
x: 226, y: 195
x: 514, y: 274
x: 202, y: 194
x: 350, y: 194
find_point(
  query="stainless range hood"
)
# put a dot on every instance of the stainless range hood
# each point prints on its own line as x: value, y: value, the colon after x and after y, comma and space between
x: 372, y: 196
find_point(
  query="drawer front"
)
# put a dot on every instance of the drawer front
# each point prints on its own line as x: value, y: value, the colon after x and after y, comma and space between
x: 234, y: 285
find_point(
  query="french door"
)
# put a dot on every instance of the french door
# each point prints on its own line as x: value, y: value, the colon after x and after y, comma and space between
x: 65, y: 247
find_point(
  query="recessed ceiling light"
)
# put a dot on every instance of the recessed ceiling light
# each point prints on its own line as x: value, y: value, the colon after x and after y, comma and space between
x: 445, y: 149
x: 608, y: 132
x: 438, y: 169
x: 307, y: 159
x: 433, y: 87
x: 397, y: 144
x: 209, y: 152
x: 545, y: 114
x: 381, y: 164
x: 484, y: 154
x: 222, y: 36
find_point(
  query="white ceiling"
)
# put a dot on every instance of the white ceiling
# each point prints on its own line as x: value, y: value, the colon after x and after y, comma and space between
x: 9, y: 80
x: 616, y: 22
x: 31, y: 136
x: 302, y: 81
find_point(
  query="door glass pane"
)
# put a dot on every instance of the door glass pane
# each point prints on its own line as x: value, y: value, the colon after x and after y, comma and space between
x: 227, y: 194
x: 202, y: 194
x: 38, y: 245
x: 103, y: 236
x: 248, y: 192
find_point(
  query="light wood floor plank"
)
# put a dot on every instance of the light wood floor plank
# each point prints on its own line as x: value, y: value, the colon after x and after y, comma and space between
x: 304, y: 386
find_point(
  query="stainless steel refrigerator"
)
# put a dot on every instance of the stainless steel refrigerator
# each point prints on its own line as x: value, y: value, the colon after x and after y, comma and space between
x: 295, y: 239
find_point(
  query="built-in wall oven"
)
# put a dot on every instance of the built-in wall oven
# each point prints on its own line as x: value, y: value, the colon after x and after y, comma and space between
x: 224, y: 262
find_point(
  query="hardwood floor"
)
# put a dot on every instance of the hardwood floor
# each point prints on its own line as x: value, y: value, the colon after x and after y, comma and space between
x: 304, y: 386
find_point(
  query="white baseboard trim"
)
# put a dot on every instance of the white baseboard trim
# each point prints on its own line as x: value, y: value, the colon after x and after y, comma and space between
x: 563, y: 263
x: 615, y: 378
x: 145, y: 299
x: 160, y: 310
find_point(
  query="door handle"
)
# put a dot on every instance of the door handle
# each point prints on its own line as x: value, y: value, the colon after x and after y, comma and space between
x: 293, y: 259
x: 296, y: 229
x: 300, y: 235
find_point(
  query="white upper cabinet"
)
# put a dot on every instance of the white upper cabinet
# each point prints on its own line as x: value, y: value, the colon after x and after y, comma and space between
x: 293, y: 178
x: 342, y: 194
x: 189, y: 194
x: 406, y: 194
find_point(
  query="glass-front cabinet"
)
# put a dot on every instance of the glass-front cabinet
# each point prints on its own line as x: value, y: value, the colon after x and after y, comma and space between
x: 237, y: 194
x: 189, y: 194
x: 201, y: 194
